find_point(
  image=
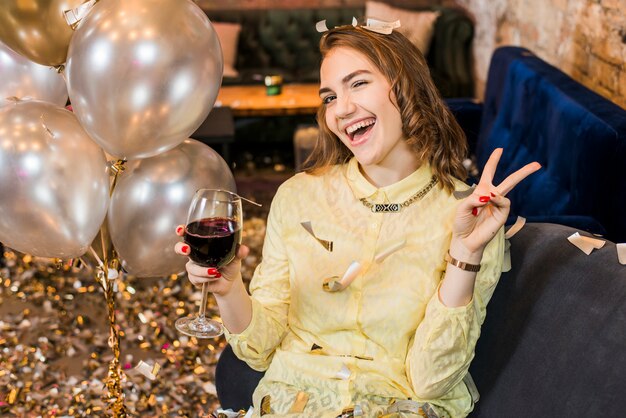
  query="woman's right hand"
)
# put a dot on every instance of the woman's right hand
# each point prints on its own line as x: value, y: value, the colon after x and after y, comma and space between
x: 219, y: 281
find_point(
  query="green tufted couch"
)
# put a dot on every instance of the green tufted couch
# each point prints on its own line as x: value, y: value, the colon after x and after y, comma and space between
x: 284, y: 41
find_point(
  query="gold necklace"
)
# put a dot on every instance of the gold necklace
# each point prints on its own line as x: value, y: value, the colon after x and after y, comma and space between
x: 397, y: 207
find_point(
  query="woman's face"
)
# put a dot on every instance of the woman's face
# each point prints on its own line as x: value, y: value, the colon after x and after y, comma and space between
x: 361, y: 110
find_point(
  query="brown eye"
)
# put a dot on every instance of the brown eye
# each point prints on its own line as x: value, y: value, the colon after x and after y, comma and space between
x: 326, y: 100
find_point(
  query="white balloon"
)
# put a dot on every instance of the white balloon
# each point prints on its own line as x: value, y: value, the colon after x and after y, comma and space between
x: 23, y: 78
x: 152, y: 197
x: 54, y: 185
x: 143, y: 74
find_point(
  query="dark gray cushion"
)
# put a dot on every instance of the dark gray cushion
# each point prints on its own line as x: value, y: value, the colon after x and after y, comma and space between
x: 554, y: 341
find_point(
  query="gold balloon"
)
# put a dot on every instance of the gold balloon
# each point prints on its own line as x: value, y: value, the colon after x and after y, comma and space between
x: 37, y: 29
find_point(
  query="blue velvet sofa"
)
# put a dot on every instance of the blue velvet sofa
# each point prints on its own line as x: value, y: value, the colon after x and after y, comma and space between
x: 538, y: 113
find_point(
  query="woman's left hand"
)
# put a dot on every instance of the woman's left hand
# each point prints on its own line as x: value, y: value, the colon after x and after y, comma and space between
x: 482, y: 214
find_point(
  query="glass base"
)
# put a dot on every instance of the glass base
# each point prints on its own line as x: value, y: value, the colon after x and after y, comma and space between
x: 195, y: 326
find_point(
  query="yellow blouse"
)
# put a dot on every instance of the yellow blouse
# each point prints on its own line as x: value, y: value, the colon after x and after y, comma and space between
x: 386, y: 336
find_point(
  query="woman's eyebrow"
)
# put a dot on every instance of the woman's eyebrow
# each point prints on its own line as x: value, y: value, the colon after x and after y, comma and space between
x: 345, y: 80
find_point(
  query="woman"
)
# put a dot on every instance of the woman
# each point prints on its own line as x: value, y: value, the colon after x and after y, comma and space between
x: 377, y: 203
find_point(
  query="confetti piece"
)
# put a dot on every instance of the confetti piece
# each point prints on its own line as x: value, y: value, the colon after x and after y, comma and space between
x: 155, y: 369
x: 621, y: 253
x: 585, y: 244
x: 112, y: 274
x: 515, y: 228
x: 265, y: 405
x: 462, y: 194
x: 328, y: 245
x: 344, y: 373
x: 145, y: 369
x: 227, y: 413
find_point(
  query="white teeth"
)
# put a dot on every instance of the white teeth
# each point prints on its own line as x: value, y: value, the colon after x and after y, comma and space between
x: 352, y: 128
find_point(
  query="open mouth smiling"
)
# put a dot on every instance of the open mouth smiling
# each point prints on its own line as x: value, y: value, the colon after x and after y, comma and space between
x: 358, y: 129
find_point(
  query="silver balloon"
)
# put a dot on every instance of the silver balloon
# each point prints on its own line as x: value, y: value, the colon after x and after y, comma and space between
x: 152, y: 197
x: 24, y: 78
x: 54, y: 187
x: 143, y: 75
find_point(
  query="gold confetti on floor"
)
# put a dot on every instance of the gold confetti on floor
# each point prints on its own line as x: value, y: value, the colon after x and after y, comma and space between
x: 54, y: 353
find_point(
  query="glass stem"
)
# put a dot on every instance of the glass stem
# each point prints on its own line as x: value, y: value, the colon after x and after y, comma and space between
x: 205, y: 292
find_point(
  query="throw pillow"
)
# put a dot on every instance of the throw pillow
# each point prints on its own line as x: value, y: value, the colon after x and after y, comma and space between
x: 417, y: 26
x: 228, y: 34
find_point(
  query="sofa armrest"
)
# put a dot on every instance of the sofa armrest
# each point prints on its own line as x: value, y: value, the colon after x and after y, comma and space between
x: 450, y: 54
x: 555, y: 333
x: 580, y: 222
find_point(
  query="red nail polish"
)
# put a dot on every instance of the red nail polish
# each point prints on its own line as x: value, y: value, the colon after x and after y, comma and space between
x: 212, y: 271
x: 493, y: 195
x: 484, y: 199
x: 179, y: 229
x: 184, y: 248
x: 218, y: 275
x: 475, y: 211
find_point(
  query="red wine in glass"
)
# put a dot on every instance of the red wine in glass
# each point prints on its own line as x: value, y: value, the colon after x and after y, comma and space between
x: 213, y: 241
x: 213, y: 233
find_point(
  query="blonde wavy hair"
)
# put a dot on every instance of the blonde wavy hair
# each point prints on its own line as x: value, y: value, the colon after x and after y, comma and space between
x: 431, y: 130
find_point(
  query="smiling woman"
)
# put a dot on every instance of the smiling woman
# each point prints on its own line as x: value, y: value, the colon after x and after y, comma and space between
x: 400, y: 73
x: 375, y: 278
x: 361, y: 111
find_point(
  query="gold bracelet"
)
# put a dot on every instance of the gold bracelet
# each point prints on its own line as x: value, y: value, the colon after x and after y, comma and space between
x: 461, y: 264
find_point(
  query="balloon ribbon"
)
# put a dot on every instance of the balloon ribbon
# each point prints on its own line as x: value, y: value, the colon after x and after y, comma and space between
x: 115, y: 396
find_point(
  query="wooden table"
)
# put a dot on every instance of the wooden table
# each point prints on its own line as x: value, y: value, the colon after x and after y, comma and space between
x: 295, y: 99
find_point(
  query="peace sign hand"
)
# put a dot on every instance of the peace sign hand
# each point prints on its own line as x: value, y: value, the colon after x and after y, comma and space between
x: 482, y: 214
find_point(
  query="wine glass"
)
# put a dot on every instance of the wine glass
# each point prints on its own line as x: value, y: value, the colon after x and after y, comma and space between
x: 213, y: 233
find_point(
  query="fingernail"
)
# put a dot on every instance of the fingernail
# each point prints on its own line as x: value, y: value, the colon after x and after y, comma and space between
x: 218, y: 275
x: 185, y: 249
x: 212, y: 271
x: 493, y: 195
x: 179, y: 229
x: 475, y: 211
x: 484, y: 199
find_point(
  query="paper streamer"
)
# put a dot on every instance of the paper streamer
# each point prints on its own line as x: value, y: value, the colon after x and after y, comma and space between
x: 331, y: 284
x: 380, y: 257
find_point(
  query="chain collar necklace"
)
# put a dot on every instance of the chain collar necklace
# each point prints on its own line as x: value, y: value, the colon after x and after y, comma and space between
x: 397, y: 207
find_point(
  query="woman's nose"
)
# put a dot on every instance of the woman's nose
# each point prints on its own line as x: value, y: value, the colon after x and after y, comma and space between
x: 344, y: 106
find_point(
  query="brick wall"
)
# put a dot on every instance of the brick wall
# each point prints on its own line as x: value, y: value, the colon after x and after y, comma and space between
x: 585, y: 38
